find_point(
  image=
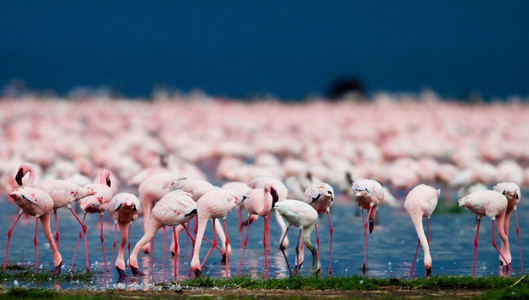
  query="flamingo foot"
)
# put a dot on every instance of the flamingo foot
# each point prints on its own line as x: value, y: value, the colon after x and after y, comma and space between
x: 136, y: 272
x: 58, y: 269
x: 121, y: 272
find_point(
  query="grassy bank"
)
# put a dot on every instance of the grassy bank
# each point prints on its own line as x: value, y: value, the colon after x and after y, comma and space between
x: 305, y: 288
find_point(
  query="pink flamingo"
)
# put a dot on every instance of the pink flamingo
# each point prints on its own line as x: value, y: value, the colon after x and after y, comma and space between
x: 215, y: 204
x: 368, y: 194
x: 63, y: 193
x: 491, y: 204
x: 282, y: 193
x: 242, y: 188
x: 175, y: 208
x: 258, y: 202
x: 38, y: 203
x: 124, y: 209
x: 420, y: 203
x: 513, y: 195
x: 97, y: 203
x: 152, y: 189
x: 321, y: 197
x: 302, y: 215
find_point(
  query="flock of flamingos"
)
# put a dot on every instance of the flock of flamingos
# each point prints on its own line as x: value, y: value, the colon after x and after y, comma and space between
x: 188, y: 161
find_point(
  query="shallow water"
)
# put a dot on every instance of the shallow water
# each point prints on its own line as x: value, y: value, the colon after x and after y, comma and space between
x: 390, y: 247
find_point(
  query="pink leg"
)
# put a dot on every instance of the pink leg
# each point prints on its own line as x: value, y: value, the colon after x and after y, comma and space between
x: 267, y: 227
x: 265, y: 240
x: 187, y: 241
x: 518, y: 235
x: 213, y: 244
x: 84, y: 234
x: 330, y: 242
x: 35, y: 244
x: 317, y: 238
x: 114, y: 246
x: 102, y: 240
x: 476, y: 246
x: 496, y: 246
x: 239, y: 217
x: 415, y: 257
x: 165, y: 242
x: 189, y: 235
x: 77, y: 245
x: 175, y: 251
x: 130, y: 229
x: 9, y: 237
x: 56, y: 228
x: 296, y: 267
x: 226, y: 246
x: 244, y: 248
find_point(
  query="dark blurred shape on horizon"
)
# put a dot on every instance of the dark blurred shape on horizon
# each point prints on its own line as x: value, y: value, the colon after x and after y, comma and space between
x: 288, y: 49
x: 344, y: 87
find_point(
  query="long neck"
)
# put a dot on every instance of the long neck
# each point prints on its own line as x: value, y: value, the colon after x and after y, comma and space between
x: 306, y: 240
x: 29, y: 169
x: 417, y: 223
x: 195, y: 260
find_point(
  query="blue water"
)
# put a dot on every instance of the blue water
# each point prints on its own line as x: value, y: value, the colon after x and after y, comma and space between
x: 390, y: 248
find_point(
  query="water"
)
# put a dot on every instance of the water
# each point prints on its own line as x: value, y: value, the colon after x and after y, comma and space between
x: 391, y: 247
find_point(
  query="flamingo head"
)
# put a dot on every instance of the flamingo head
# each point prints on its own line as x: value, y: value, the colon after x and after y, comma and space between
x: 18, y: 177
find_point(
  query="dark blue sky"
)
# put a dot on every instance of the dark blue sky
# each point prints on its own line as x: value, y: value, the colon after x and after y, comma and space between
x: 286, y: 48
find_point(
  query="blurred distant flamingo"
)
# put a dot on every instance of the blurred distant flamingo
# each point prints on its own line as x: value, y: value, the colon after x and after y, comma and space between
x: 35, y: 202
x: 303, y: 216
x: 215, y: 204
x: 175, y: 208
x: 97, y: 203
x: 492, y: 204
x: 368, y: 194
x: 63, y: 193
x: 513, y: 195
x: 152, y: 189
x: 321, y: 197
x: 124, y: 209
x: 420, y: 203
x: 259, y: 202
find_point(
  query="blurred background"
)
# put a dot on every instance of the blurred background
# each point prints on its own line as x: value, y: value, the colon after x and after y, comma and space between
x: 282, y: 49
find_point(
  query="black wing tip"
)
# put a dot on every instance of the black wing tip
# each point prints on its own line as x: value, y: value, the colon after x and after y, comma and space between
x: 191, y: 213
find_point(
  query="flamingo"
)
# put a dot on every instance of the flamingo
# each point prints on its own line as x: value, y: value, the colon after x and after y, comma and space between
x: 63, y: 193
x: 215, y: 204
x: 152, y: 189
x: 368, y: 194
x: 282, y: 193
x: 303, y: 216
x: 124, y: 209
x: 420, y: 203
x: 35, y: 202
x: 513, y: 195
x: 242, y: 188
x: 321, y: 197
x: 259, y: 202
x: 97, y: 203
x: 175, y: 208
x: 492, y: 204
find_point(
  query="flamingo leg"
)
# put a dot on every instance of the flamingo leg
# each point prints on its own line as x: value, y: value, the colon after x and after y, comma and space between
x: 265, y: 240
x: 317, y: 238
x: 296, y: 267
x: 518, y: 235
x: 77, y: 245
x: 496, y: 246
x: 56, y: 228
x: 244, y: 248
x: 283, y: 251
x: 226, y: 246
x: 130, y: 229
x: 213, y: 244
x: 114, y: 246
x: 35, y: 244
x: 415, y: 257
x: 101, y: 216
x: 164, y: 241
x: 9, y: 237
x: 267, y: 234
x: 476, y: 247
x: 330, y: 242
x: 84, y: 235
x: 239, y: 218
x: 189, y: 234
x: 175, y: 251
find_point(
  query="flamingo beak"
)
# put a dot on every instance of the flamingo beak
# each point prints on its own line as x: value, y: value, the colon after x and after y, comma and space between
x: 18, y: 177
x: 371, y: 226
x: 358, y: 194
x: 429, y: 272
x: 57, y: 269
